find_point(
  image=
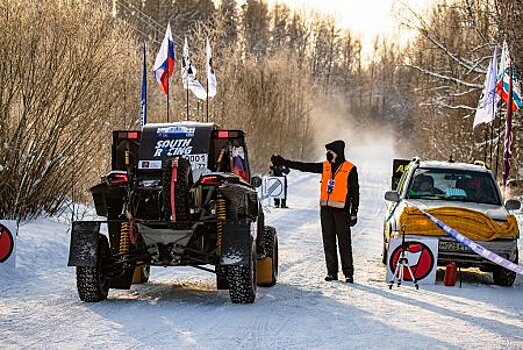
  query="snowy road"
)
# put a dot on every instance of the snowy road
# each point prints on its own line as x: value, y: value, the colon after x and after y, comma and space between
x: 180, y: 308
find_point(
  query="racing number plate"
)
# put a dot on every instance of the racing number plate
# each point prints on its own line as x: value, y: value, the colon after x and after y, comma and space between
x: 452, y: 246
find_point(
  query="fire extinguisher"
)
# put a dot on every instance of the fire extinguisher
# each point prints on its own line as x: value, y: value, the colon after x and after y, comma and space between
x: 451, y: 273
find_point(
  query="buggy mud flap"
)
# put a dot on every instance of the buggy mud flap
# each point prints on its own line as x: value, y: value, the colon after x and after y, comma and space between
x: 237, y: 242
x: 84, y: 243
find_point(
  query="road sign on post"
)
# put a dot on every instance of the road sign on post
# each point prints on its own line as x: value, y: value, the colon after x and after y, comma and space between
x: 273, y: 187
x: 7, y: 243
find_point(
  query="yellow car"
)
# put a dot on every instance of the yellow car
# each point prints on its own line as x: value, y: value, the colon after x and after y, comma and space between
x: 464, y: 196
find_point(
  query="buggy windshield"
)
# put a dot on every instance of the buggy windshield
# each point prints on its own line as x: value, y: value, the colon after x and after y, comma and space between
x: 453, y: 185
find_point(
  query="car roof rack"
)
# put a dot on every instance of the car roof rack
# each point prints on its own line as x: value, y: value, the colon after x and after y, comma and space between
x: 416, y: 160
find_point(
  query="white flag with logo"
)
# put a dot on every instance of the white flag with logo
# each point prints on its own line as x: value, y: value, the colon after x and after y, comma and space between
x: 488, y: 103
x: 211, y: 77
x: 189, y: 75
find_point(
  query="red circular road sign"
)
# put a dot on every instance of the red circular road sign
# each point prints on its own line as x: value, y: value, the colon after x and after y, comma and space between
x: 7, y: 243
x: 420, y: 268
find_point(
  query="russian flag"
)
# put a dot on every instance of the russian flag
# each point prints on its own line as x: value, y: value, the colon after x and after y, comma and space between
x: 164, y: 62
x: 502, y: 86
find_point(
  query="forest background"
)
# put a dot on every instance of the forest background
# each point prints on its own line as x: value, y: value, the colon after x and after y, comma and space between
x: 71, y: 73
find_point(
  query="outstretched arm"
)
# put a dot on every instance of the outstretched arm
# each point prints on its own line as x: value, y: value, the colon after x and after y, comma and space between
x: 306, y: 167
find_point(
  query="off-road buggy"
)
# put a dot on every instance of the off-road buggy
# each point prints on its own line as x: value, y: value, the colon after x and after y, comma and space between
x: 179, y: 194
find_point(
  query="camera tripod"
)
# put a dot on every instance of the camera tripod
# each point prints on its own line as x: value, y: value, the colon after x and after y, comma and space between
x: 402, y: 263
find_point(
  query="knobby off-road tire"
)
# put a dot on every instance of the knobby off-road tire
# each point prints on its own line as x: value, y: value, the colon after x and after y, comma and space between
x: 182, y: 190
x: 268, y: 266
x: 92, y: 281
x: 242, y: 281
x: 504, y: 277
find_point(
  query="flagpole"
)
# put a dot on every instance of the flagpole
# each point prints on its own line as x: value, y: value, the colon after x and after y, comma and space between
x: 494, y: 102
x: 492, y: 137
x: 486, y: 144
x: 187, y: 97
x: 168, y: 100
x: 207, y: 100
x: 498, y: 146
x: 508, y: 123
x: 144, y: 88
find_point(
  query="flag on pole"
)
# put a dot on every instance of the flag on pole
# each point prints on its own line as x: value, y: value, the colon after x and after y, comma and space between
x: 507, y: 151
x: 164, y: 62
x: 211, y: 77
x: 488, y: 103
x: 504, y: 78
x: 143, y: 112
x: 189, y: 75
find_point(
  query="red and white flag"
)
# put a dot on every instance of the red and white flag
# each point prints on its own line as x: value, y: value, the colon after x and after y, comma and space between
x: 164, y: 62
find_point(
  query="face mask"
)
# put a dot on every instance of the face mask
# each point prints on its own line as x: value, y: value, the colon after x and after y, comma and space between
x: 330, y: 156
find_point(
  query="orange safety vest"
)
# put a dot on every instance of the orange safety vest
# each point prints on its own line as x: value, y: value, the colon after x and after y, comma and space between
x: 338, y: 195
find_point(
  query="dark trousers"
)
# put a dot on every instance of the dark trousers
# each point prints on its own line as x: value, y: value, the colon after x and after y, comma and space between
x: 277, y: 202
x: 335, y: 224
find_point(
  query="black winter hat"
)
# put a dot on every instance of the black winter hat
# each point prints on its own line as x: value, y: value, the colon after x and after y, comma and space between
x: 337, y: 147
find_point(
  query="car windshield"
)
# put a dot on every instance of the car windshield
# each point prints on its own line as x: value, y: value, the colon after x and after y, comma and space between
x: 453, y: 185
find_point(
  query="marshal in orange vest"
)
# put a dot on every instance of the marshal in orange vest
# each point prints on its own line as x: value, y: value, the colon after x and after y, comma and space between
x: 335, y: 194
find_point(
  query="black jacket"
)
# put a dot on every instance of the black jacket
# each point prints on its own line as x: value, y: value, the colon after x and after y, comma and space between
x: 352, y: 202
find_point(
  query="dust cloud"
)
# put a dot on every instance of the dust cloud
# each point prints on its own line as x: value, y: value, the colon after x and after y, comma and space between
x: 366, y: 144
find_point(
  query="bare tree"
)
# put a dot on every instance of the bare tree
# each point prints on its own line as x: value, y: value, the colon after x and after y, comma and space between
x: 67, y: 74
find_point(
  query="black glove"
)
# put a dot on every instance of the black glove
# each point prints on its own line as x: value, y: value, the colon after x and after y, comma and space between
x: 277, y: 160
x: 353, y: 219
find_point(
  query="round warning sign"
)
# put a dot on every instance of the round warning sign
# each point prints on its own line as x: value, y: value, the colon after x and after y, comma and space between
x: 420, y: 258
x: 7, y: 243
x: 273, y: 187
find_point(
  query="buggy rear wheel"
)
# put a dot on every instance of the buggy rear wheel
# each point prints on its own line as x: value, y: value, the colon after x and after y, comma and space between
x: 91, y: 281
x: 242, y: 280
x: 267, y: 268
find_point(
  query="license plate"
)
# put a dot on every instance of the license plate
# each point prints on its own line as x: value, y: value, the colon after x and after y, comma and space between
x: 452, y: 246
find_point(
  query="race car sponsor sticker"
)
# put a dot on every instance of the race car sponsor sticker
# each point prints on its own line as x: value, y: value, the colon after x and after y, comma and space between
x: 171, y: 148
x: 150, y: 164
x: 176, y: 131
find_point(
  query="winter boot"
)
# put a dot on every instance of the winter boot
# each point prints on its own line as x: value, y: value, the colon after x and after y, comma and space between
x: 329, y: 278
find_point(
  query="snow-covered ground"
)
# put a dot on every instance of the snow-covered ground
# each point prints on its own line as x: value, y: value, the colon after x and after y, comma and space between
x: 180, y: 308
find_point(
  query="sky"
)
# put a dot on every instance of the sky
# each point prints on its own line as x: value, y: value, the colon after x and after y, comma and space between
x: 368, y: 18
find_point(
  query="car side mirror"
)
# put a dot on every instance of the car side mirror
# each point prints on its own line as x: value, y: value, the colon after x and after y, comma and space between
x: 392, y: 196
x: 256, y: 181
x: 512, y: 204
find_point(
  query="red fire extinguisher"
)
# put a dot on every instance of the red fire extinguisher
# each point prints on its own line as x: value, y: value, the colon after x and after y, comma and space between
x: 451, y: 273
